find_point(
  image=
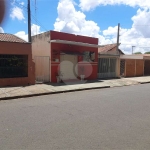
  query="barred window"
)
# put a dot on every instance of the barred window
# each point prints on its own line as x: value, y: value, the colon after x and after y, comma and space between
x: 89, y: 56
x: 12, y: 66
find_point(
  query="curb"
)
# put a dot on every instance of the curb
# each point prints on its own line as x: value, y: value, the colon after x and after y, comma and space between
x: 50, y: 93
x: 144, y: 82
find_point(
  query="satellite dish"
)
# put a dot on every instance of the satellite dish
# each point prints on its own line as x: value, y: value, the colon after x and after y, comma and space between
x: 2, y: 10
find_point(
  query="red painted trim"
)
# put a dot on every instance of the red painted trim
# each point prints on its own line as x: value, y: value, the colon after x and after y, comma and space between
x: 57, y: 48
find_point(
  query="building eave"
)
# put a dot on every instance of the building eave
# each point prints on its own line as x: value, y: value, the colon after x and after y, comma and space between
x: 75, y: 43
x: 107, y: 54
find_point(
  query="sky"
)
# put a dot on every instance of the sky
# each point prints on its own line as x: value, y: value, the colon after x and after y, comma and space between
x: 94, y: 18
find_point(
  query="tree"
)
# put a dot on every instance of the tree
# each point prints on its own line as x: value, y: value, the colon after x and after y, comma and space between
x: 137, y: 53
x: 147, y: 53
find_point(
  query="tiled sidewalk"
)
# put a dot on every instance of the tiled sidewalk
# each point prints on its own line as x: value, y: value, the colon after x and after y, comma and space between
x: 44, y: 89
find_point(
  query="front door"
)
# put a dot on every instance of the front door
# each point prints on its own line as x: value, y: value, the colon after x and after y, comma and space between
x: 68, y: 67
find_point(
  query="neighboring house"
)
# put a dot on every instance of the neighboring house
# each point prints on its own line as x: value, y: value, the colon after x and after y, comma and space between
x: 109, y: 61
x: 134, y: 65
x: 66, y: 55
x: 16, y: 66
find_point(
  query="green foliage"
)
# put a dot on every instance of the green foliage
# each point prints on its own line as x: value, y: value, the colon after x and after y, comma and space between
x: 147, y: 53
x: 138, y: 53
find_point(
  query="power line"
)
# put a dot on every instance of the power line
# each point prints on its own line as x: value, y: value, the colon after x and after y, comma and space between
x: 33, y: 17
x: 38, y: 22
x: 19, y: 4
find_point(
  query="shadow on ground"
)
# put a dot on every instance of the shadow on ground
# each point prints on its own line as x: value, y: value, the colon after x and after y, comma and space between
x: 73, y: 82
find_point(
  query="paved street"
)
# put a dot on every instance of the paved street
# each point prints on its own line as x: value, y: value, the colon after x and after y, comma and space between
x: 103, y: 119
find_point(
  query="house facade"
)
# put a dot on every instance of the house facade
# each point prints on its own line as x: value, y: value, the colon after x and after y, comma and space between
x: 109, y: 61
x: 134, y: 65
x: 67, y: 55
x: 16, y: 65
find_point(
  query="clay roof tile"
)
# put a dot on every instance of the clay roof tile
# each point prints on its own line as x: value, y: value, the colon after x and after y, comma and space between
x: 106, y: 48
x: 10, y: 38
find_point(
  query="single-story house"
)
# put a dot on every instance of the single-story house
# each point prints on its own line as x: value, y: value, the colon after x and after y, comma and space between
x: 109, y: 61
x: 16, y: 65
x: 134, y: 65
x: 66, y: 55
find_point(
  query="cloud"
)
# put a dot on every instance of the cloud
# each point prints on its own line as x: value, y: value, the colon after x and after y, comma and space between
x: 71, y: 21
x: 128, y: 38
x: 1, y: 30
x: 22, y: 3
x: 87, y: 5
x: 140, y: 19
x: 35, y: 29
x: 17, y: 13
x: 139, y: 34
x: 22, y: 35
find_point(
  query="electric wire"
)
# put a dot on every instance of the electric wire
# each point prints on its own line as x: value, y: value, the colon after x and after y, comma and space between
x: 33, y: 18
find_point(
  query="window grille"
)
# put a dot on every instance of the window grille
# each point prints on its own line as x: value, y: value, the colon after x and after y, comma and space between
x: 13, y: 66
x: 122, y: 68
x: 89, y: 56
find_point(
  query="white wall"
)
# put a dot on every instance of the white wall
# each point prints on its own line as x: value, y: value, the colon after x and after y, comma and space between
x: 41, y: 48
x: 131, y: 56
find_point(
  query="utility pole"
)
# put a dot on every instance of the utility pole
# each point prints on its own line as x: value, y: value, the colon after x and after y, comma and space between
x: 132, y: 49
x: 118, y: 35
x: 29, y: 22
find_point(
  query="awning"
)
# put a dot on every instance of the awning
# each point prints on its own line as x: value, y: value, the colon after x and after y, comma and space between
x: 75, y: 43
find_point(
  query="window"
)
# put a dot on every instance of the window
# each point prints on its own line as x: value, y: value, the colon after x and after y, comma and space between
x: 12, y: 66
x: 89, y: 56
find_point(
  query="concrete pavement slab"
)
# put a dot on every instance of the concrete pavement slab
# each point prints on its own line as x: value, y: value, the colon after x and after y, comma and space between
x: 142, y: 80
x: 120, y: 82
x: 42, y: 89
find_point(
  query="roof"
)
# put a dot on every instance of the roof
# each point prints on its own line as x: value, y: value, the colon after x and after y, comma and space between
x: 106, y: 48
x: 75, y: 43
x: 10, y: 38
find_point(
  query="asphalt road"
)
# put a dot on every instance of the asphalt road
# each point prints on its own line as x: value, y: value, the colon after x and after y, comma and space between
x: 105, y: 119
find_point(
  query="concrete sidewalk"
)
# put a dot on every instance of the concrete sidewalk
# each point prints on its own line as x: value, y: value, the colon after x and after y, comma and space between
x: 45, y: 89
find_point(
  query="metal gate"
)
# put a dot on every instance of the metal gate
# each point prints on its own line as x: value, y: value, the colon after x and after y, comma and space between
x: 42, y: 68
x: 122, y: 68
x: 147, y: 68
x: 107, y: 67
